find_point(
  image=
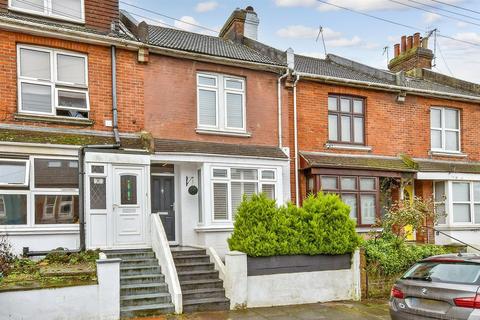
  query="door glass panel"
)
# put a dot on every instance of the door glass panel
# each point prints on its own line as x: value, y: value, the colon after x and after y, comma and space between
x: 440, y: 191
x: 367, y: 203
x: 461, y: 213
x: 13, y: 209
x: 98, y: 193
x: 440, y: 211
x: 128, y: 190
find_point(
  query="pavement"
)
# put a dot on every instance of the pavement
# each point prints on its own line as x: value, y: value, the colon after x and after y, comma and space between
x: 365, y: 310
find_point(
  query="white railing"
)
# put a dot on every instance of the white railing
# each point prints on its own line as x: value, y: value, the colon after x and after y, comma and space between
x: 161, y: 248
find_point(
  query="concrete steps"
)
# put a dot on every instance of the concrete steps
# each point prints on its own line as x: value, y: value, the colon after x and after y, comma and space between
x: 201, y: 287
x: 143, y: 291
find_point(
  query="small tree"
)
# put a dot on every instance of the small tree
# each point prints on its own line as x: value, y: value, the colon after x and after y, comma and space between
x: 6, y: 256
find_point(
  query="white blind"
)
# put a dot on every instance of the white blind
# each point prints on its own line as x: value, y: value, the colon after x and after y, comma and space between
x: 35, y: 64
x: 238, y: 190
x: 68, y: 8
x: 207, y: 107
x: 34, y: 5
x: 220, y: 201
x: 269, y: 190
x: 234, y: 110
x: 36, y: 98
x: 71, y: 69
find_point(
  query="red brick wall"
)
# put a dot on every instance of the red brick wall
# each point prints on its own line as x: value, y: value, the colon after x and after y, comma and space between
x: 129, y: 82
x: 171, y: 106
x: 424, y: 190
x: 391, y: 127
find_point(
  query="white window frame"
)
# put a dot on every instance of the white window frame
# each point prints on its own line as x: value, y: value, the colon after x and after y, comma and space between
x: 48, y: 12
x: 449, y: 204
x: 443, y: 130
x: 27, y: 172
x: 54, y: 84
x: 221, y: 101
x: 228, y: 180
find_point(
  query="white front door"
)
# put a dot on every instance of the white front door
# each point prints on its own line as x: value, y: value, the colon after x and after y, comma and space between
x: 129, y: 199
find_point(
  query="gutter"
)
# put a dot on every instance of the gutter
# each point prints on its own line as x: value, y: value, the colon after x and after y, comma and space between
x: 81, y: 151
x: 295, y: 134
x: 279, y: 90
x: 389, y: 87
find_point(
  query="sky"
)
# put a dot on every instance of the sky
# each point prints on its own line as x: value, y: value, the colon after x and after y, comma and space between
x: 296, y: 24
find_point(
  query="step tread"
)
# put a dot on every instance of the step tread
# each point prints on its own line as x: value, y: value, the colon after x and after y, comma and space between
x: 137, y: 259
x: 201, y: 281
x: 138, y: 267
x: 142, y: 285
x: 205, y: 290
x: 144, y: 296
x: 204, y: 301
x: 193, y: 256
x: 193, y: 264
x: 147, y: 307
x: 140, y: 276
x: 197, y: 272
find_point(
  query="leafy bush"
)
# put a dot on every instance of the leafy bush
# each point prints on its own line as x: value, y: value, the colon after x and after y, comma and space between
x: 64, y: 257
x: 322, y: 226
x: 390, y: 255
x: 6, y: 256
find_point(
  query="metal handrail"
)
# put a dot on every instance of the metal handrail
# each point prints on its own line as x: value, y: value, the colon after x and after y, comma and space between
x: 449, y: 236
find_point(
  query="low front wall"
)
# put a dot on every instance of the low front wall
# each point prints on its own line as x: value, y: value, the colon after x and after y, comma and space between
x: 41, y: 240
x: 101, y: 301
x: 289, y: 287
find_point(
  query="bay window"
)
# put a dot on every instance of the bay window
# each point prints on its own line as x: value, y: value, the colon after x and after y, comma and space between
x: 52, y: 82
x: 457, y: 202
x: 229, y: 185
x: 220, y: 102
x: 71, y: 10
x: 445, y: 129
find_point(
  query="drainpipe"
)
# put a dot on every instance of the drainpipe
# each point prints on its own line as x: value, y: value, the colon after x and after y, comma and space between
x: 295, y: 134
x: 279, y: 89
x: 81, y: 152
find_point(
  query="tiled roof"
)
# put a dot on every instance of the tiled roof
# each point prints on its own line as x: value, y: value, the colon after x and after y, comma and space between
x: 451, y: 166
x: 182, y: 146
x: 203, y: 44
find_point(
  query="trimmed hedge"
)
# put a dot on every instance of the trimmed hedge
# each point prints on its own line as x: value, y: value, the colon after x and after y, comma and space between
x: 321, y: 226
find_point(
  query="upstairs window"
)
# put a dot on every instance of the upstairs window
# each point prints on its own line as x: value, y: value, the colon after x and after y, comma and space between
x: 221, y: 102
x: 71, y: 10
x: 346, y: 119
x: 52, y: 82
x: 445, y: 129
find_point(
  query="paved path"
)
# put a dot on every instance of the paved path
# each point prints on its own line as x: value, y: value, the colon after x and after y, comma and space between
x: 370, y: 310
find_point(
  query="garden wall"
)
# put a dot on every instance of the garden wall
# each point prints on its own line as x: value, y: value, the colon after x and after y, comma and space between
x: 308, y: 280
x: 101, y: 301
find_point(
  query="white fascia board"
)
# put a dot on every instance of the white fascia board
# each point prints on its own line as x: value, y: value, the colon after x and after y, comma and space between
x: 38, y: 148
x: 195, y: 157
x: 117, y: 158
x: 448, y: 176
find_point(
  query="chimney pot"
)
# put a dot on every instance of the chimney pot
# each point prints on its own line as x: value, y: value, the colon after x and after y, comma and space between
x: 416, y: 40
x: 403, y: 44
x: 396, y: 49
x: 249, y: 8
x: 409, y: 42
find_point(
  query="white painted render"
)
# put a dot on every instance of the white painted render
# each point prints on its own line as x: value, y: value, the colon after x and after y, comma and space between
x: 101, y: 301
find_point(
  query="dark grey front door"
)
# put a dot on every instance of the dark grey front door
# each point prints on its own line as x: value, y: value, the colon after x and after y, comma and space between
x: 163, y: 202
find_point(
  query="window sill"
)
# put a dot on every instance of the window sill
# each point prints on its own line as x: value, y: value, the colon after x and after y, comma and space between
x: 447, y: 154
x: 26, y: 230
x: 458, y: 228
x: 53, y: 119
x: 223, y: 133
x: 347, y: 147
x: 224, y: 228
x: 368, y: 229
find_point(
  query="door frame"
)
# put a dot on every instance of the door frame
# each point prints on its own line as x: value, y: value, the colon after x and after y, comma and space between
x: 175, y: 205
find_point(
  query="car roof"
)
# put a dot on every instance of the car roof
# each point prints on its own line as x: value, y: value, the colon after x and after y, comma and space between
x: 454, y: 257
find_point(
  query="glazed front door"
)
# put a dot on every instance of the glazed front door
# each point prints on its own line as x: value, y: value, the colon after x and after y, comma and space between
x: 163, y: 203
x: 129, y: 218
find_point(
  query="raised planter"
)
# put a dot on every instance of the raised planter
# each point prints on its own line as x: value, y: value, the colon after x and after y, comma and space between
x: 257, y: 266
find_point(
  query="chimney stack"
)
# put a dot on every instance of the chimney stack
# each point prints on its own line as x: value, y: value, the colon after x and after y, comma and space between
x: 411, y: 53
x: 241, y: 23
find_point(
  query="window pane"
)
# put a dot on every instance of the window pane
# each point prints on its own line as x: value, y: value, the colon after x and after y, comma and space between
x: 34, y: 5
x: 451, y: 119
x: 358, y: 130
x: 234, y: 110
x: 56, y: 173
x: 234, y: 84
x: 358, y: 106
x: 329, y: 183
x: 12, y: 172
x: 36, y: 98
x: 207, y: 102
x: 332, y: 103
x: 238, y: 190
x: 367, y: 203
x: 128, y: 189
x: 367, y: 184
x: 13, y: 209
x: 451, y: 141
x: 68, y: 8
x: 220, y: 173
x: 71, y: 99
x: 200, y: 198
x: 461, y: 213
x: 436, y: 139
x: 461, y: 191
x: 244, y: 174
x: 35, y: 64
x: 351, y: 201
x: 345, y: 105
x: 435, y: 118
x: 348, y: 183
x: 477, y: 213
x: 345, y: 126
x: 332, y: 128
x: 269, y: 190
x: 476, y: 191
x: 207, y: 81
x: 268, y: 174
x: 440, y: 211
x: 439, y: 191
x: 71, y: 69
x: 56, y: 209
x: 310, y: 184
x: 220, y: 204
x: 98, y: 193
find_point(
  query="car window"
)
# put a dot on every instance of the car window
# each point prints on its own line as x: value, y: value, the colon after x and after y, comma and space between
x: 454, y: 272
